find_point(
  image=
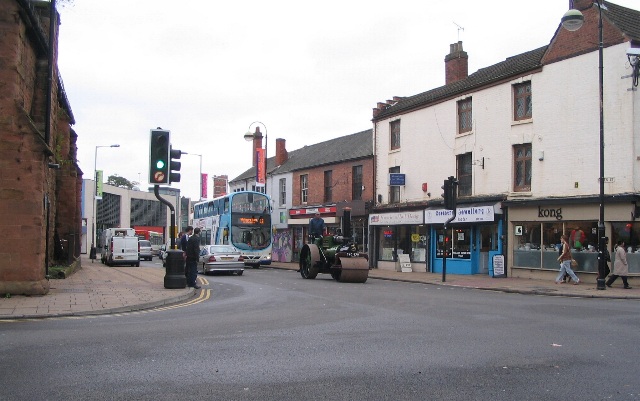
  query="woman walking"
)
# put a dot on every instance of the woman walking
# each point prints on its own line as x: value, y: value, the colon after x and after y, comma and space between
x: 620, y: 266
x: 565, y: 262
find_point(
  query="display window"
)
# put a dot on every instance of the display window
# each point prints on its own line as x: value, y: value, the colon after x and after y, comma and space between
x: 537, y: 245
x: 460, y: 239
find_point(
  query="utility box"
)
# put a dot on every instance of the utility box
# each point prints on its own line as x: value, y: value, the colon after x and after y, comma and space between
x: 403, y: 264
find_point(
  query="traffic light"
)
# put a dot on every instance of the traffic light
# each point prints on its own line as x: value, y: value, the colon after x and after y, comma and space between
x: 159, y: 157
x: 174, y: 166
x: 450, y: 193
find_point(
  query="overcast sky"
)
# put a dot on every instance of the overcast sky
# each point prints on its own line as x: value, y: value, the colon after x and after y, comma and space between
x: 309, y: 71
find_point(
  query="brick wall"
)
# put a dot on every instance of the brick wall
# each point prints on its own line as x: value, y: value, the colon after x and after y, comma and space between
x: 342, y: 179
x: 30, y: 191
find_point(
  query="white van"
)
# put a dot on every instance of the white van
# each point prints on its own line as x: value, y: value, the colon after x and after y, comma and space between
x: 120, y: 246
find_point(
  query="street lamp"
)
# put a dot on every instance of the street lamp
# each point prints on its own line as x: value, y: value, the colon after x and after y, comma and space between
x: 200, y: 176
x: 572, y: 21
x: 94, y: 219
x: 249, y: 136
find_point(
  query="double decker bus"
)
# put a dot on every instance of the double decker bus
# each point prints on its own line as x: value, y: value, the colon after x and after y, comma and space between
x: 241, y: 219
x: 154, y: 237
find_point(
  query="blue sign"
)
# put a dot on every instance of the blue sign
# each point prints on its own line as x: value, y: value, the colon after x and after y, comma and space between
x: 396, y: 179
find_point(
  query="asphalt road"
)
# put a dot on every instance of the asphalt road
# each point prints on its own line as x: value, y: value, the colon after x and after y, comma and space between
x: 270, y: 335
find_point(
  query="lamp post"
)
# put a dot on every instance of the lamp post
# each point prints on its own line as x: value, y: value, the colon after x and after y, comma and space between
x: 572, y: 21
x: 249, y: 136
x: 200, y: 176
x: 94, y: 221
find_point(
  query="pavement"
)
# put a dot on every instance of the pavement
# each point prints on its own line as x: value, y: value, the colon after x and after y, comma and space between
x: 97, y: 289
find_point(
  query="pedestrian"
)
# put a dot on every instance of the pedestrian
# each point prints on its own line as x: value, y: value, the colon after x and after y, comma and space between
x: 316, y: 226
x: 620, y: 266
x: 178, y: 244
x: 565, y: 262
x: 185, y: 237
x: 183, y: 246
x: 193, y: 254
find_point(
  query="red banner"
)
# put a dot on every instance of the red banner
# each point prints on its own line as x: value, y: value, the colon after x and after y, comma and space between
x: 260, y: 170
x: 203, y: 186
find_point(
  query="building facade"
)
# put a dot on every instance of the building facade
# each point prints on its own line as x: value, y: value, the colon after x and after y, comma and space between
x: 521, y: 138
x: 326, y: 177
x: 40, y: 180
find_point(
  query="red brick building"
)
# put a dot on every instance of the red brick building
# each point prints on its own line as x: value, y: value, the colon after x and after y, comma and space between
x: 40, y: 181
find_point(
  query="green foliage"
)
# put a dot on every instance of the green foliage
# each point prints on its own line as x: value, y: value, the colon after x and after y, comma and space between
x: 120, y: 182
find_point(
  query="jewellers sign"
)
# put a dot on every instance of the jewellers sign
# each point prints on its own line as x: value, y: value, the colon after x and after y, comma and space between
x: 390, y: 219
x: 463, y: 215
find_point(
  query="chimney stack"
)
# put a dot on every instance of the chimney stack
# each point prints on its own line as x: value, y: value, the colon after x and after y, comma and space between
x: 456, y: 64
x: 281, y: 151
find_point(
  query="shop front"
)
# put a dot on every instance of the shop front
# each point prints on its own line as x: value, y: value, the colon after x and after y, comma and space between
x: 535, y: 231
x: 398, y: 233
x: 472, y: 239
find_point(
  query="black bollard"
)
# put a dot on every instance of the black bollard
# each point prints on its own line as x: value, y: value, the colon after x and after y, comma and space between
x: 174, y: 277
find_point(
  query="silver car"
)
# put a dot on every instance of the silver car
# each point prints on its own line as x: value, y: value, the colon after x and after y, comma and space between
x: 221, y: 258
x: 144, y: 250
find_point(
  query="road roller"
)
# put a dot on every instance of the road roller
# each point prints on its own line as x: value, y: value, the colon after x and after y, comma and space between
x: 336, y: 255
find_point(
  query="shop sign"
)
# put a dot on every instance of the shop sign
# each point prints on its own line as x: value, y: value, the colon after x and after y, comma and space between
x: 389, y: 219
x: 312, y: 211
x: 498, y: 266
x: 463, y: 215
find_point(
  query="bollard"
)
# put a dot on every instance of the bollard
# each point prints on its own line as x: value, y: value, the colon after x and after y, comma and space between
x: 174, y: 277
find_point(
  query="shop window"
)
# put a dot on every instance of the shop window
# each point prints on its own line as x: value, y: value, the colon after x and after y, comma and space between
x: 628, y: 232
x: 387, y: 242
x: 460, y: 239
x: 418, y: 243
x: 537, y: 244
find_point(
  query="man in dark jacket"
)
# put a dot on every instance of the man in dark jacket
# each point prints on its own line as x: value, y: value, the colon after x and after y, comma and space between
x: 193, y: 254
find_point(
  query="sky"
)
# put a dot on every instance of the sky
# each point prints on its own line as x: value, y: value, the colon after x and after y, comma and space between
x: 307, y: 71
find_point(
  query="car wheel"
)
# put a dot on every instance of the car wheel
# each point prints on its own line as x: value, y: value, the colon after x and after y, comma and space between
x: 137, y: 264
x: 239, y: 272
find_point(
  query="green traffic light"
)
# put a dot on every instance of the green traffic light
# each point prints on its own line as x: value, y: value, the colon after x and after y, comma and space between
x: 160, y: 164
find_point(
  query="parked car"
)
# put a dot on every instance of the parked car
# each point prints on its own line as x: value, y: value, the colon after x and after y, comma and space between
x: 221, y: 258
x: 145, y: 252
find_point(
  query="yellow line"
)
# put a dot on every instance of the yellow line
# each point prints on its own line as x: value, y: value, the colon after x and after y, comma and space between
x: 203, y: 295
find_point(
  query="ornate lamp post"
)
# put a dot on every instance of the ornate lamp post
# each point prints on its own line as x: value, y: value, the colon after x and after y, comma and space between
x: 249, y: 136
x: 572, y: 21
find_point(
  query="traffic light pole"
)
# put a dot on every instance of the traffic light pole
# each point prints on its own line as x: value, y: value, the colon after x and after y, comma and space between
x: 450, y: 198
x: 445, y: 252
x: 173, y: 215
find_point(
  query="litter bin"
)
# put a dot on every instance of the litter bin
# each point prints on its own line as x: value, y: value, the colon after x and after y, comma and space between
x: 174, y: 277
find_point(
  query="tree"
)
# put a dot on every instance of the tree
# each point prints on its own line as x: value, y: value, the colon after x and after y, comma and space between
x: 120, y: 182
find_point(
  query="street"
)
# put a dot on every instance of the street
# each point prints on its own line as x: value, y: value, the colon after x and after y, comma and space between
x: 271, y: 335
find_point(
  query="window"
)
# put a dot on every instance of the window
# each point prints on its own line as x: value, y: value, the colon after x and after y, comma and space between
x: 394, y: 128
x: 394, y: 190
x: 283, y: 191
x: 356, y: 179
x: 522, y: 167
x: 464, y: 174
x: 304, y: 187
x: 464, y: 116
x: 522, y: 107
x: 328, y: 185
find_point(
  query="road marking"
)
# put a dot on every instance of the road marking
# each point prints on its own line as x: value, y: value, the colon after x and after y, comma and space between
x: 204, y: 295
